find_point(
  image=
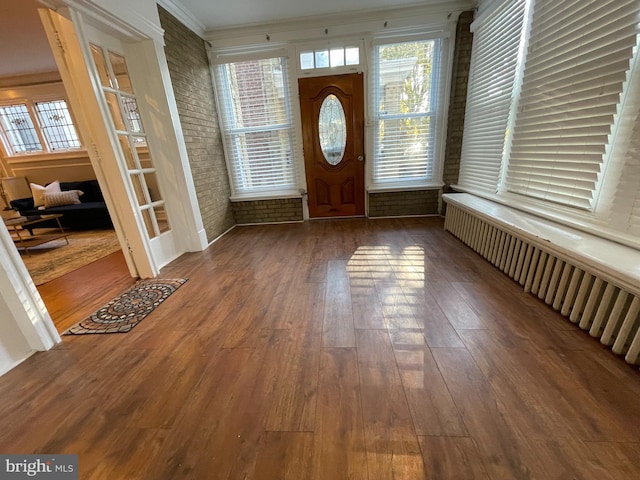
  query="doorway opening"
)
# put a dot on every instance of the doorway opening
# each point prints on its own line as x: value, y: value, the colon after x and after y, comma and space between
x: 44, y: 148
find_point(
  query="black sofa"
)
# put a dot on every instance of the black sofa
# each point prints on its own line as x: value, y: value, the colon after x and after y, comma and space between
x: 91, y: 213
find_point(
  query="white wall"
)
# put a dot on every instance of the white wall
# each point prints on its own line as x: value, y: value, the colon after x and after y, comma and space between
x: 141, y: 10
x: 13, y: 346
x: 25, y: 324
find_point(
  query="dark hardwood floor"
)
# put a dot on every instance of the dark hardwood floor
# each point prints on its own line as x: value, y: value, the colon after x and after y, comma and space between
x: 346, y: 349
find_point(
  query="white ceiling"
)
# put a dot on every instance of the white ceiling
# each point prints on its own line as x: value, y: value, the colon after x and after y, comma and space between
x: 228, y: 13
x: 24, y: 48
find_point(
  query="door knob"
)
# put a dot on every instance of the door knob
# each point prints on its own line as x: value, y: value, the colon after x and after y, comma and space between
x: 360, y: 158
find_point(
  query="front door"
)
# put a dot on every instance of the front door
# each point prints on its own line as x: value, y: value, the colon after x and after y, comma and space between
x: 332, y: 110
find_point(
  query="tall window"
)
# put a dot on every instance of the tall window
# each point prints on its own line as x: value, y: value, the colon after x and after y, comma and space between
x: 257, y: 124
x: 552, y: 111
x: 405, y: 102
x: 497, y: 44
x: 44, y: 126
x: 19, y: 132
x: 56, y: 125
x: 576, y: 66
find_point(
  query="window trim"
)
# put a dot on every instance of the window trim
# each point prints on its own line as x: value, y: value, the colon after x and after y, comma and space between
x: 30, y: 103
x: 220, y: 60
x: 334, y: 43
x: 43, y: 128
x: 8, y: 145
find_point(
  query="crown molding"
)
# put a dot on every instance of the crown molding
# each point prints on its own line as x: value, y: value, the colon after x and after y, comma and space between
x: 134, y: 27
x: 40, y: 78
x: 342, y: 24
x: 386, y: 17
x: 181, y: 13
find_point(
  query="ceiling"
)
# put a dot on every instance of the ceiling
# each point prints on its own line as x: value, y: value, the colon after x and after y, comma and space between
x: 223, y: 14
x: 24, y: 48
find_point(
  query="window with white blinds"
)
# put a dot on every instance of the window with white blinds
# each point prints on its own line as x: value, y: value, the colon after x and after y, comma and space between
x: 257, y: 125
x: 405, y: 103
x: 494, y: 64
x: 578, y: 57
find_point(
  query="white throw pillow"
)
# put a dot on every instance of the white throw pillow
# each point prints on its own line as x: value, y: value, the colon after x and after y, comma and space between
x: 38, y: 191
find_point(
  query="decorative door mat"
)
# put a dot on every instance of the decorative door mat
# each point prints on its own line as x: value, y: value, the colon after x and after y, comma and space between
x: 128, y: 309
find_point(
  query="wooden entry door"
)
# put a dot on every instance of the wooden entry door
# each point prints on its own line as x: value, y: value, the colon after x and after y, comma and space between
x: 332, y: 110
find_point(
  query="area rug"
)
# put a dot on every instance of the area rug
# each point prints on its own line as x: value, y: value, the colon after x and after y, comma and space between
x: 128, y: 309
x: 54, y: 259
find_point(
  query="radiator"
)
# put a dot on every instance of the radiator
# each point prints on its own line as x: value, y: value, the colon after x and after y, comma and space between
x: 595, y: 304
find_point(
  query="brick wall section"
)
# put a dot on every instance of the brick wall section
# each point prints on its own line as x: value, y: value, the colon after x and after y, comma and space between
x: 399, y: 204
x: 458, y: 100
x: 192, y: 86
x: 268, y: 211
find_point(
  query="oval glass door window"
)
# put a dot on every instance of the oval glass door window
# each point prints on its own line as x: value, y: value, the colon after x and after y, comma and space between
x: 332, y: 130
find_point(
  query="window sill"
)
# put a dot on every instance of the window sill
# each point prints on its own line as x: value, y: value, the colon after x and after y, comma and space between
x: 580, y: 220
x: 43, y: 156
x: 278, y: 195
x: 406, y: 187
x: 584, y: 249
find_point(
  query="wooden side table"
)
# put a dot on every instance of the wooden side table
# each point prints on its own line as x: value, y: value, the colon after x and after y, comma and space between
x: 18, y: 226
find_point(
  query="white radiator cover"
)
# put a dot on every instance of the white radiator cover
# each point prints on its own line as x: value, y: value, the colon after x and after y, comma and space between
x: 607, y: 311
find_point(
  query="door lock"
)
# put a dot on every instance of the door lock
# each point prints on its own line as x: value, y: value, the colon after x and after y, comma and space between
x: 361, y: 158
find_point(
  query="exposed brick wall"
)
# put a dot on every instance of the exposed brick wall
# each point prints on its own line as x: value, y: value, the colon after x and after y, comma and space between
x: 268, y: 211
x: 398, y: 204
x: 191, y: 78
x: 458, y: 101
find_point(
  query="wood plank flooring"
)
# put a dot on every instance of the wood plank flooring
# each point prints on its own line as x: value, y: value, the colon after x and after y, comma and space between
x: 73, y: 297
x: 343, y: 349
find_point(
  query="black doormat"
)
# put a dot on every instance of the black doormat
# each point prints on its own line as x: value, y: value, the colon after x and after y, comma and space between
x: 128, y: 309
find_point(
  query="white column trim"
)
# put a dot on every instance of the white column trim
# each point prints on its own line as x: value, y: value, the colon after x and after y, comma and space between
x: 26, y: 306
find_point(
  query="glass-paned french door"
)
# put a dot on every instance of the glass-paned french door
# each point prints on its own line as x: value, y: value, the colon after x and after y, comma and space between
x: 123, y: 108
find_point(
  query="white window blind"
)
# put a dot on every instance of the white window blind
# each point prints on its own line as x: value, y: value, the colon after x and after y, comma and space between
x: 494, y: 64
x: 257, y: 123
x: 625, y: 213
x: 405, y: 99
x: 620, y: 197
x: 576, y: 64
